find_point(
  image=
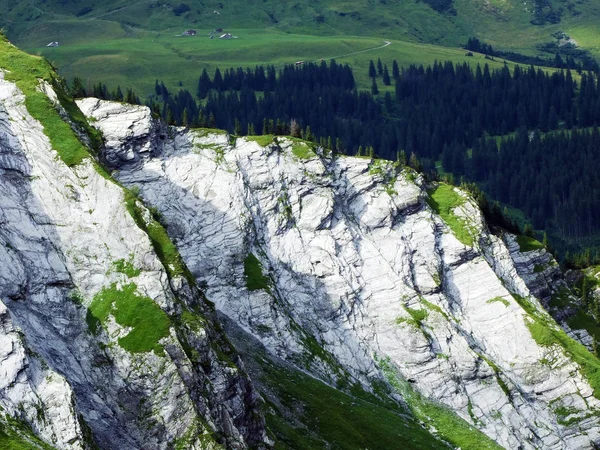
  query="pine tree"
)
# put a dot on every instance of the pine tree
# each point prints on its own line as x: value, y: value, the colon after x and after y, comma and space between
x: 545, y: 241
x: 204, y: 85
x: 374, y: 88
x: 308, y: 134
x: 217, y: 82
x: 294, y: 128
x: 395, y: 70
x: 379, y: 67
x: 169, y: 117
x: 118, y: 95
x: 401, y: 158
x: 414, y: 162
x: 77, y: 89
x: 130, y: 97
x: 386, y: 76
x: 372, y: 72
x: 237, y: 128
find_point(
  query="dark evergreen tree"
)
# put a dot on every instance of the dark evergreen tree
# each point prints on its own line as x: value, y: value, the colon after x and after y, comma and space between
x: 386, y: 76
x: 372, y: 71
x: 374, y: 88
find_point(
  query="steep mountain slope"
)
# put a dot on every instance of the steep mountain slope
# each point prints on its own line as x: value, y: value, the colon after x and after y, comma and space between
x: 370, y: 308
x: 342, y: 268
x: 105, y: 340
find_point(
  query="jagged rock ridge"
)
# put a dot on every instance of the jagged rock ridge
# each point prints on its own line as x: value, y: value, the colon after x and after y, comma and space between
x: 361, y: 280
x: 79, y: 367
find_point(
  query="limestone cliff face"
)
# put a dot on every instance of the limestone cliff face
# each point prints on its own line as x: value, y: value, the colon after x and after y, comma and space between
x: 359, y: 278
x: 352, y: 270
x: 79, y: 365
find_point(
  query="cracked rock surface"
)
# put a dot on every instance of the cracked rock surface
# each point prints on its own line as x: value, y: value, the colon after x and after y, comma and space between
x: 357, y: 269
x: 63, y: 233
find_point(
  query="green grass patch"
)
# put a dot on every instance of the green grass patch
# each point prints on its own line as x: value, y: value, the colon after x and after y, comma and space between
x: 377, y: 168
x: 443, y: 199
x: 162, y: 244
x: 417, y: 316
x: 329, y: 418
x: 434, y: 307
x: 262, y: 140
x: 126, y: 267
x: 149, y: 323
x: 546, y: 333
x: 26, y: 71
x: 302, y: 151
x: 528, y: 244
x: 539, y: 268
x: 253, y: 272
x: 17, y: 435
x: 448, y: 425
x: 497, y: 373
x: 500, y: 300
x: 193, y: 321
x: 203, y: 132
x: 541, y: 334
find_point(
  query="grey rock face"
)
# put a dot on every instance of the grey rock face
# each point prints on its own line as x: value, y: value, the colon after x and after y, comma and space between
x: 65, y: 235
x: 357, y: 269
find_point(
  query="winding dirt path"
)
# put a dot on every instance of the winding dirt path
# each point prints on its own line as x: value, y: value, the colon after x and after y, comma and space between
x: 386, y: 43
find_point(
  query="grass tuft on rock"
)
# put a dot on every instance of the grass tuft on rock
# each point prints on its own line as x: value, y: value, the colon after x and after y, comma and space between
x: 546, y: 333
x: 448, y: 424
x: 149, y: 323
x: 499, y: 300
x: 528, y: 244
x: 17, y: 435
x: 263, y: 140
x: 163, y: 246
x: 26, y: 71
x: 443, y: 199
x: 126, y: 267
x: 255, y: 280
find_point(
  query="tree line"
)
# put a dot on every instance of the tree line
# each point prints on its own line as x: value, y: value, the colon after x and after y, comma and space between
x: 443, y: 114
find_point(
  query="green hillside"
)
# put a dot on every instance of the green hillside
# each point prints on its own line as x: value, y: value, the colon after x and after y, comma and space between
x: 132, y: 43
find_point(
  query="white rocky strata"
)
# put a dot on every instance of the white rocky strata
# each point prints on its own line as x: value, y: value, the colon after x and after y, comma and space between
x: 350, y: 249
x: 61, y: 232
x: 33, y: 393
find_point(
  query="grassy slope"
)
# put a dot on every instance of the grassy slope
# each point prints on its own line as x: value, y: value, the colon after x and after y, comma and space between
x: 502, y: 22
x: 139, y: 41
x: 145, y: 57
x: 345, y: 421
x: 303, y: 413
x: 443, y: 200
x: 15, y: 435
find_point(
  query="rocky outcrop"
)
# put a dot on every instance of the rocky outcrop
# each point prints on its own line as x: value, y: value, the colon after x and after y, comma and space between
x: 341, y: 267
x: 537, y: 268
x: 105, y: 341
